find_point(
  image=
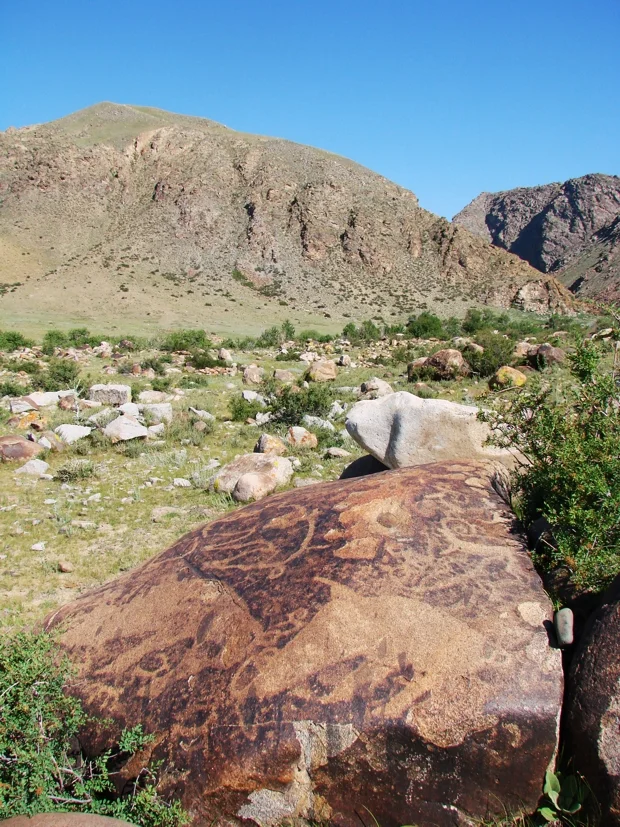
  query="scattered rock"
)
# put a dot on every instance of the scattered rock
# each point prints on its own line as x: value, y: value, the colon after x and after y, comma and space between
x: 13, y: 447
x: 152, y: 397
x: 68, y: 403
x: 308, y: 356
x: 269, y: 444
x: 205, y: 415
x: 507, y: 377
x: 124, y: 428
x: 336, y: 410
x: 49, y: 440
x: 337, y: 453
x: 375, y: 388
x: 225, y: 356
x: 323, y: 371
x: 181, y: 482
x: 65, y: 567
x: 38, y: 547
x: 301, y: 438
x: 317, y: 422
x: 34, y: 467
x: 43, y: 399
x: 344, y: 360
x: 130, y: 408
x: 253, y: 396
x: 72, y: 433
x: 357, y: 642
x: 279, y: 468
x: 18, y: 406
x: 104, y: 416
x: 402, y: 429
x: 110, y: 394
x: 253, y: 375
x: 253, y: 486
x: 263, y: 418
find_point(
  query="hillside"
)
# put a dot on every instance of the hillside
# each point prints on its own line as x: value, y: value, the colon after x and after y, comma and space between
x: 571, y: 230
x: 125, y: 217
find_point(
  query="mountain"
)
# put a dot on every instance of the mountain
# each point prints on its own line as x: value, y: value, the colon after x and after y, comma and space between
x: 571, y: 230
x: 126, y: 217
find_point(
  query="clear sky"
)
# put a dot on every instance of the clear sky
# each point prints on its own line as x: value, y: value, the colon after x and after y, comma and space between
x: 446, y: 97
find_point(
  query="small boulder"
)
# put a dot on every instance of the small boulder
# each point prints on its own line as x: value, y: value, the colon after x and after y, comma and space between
x: 269, y: 444
x: 253, y: 486
x: 344, y: 360
x: 130, y: 408
x: 323, y: 371
x: 284, y: 376
x: 125, y: 428
x: 110, y: 394
x: 337, y: 453
x: 546, y: 355
x: 72, y: 433
x: 225, y: 356
x: 152, y: 397
x: 253, y: 375
x: 299, y: 437
x: 507, y: 377
x: 51, y: 442
x: 279, y: 468
x: 157, y: 412
x: 448, y: 364
x: 414, y: 368
x: 43, y: 399
x: 375, y: 388
x: 317, y: 422
x: 34, y: 468
x: 205, y: 416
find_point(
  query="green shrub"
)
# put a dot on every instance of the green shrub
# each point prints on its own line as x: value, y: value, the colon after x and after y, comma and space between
x: 156, y: 363
x: 11, y: 340
x: 315, y: 336
x: 202, y: 359
x: 497, y: 353
x: 62, y: 373
x: 196, y: 380
x: 75, y: 469
x: 290, y: 404
x: 271, y: 337
x: 54, y: 339
x: 426, y: 326
x: 40, y: 768
x: 81, y: 336
x: 186, y: 340
x: 162, y: 383
x: 571, y: 442
x: 241, y: 409
x: 8, y: 387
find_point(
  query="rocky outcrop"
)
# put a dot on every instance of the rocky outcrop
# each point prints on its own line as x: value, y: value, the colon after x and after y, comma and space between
x: 402, y: 429
x: 593, y: 707
x: 133, y: 209
x: 376, y: 643
x: 570, y: 229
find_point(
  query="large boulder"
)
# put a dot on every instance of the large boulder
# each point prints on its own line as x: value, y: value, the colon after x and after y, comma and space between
x: 593, y: 707
x: 13, y: 447
x: 253, y: 375
x: 545, y: 355
x: 402, y: 429
x: 374, y: 644
x: 124, y: 428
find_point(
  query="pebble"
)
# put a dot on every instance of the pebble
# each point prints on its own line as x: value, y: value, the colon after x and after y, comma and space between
x: 563, y: 624
x: 38, y: 547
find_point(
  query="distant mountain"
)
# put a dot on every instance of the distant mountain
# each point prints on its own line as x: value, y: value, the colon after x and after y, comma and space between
x: 130, y: 218
x: 571, y: 230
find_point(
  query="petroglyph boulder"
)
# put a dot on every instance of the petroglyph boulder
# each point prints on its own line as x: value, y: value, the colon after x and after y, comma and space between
x: 372, y: 643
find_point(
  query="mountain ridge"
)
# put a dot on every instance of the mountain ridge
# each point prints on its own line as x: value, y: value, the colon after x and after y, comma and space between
x: 148, y: 218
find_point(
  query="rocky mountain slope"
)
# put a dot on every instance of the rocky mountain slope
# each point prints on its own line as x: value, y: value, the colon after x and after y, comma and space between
x: 124, y: 216
x: 571, y: 230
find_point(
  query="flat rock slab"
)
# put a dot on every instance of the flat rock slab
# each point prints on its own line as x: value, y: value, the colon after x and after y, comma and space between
x: 402, y: 429
x: 373, y: 643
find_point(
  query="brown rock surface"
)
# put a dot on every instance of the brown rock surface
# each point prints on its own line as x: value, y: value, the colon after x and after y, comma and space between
x: 593, y: 706
x: 447, y: 364
x: 370, y: 643
x: 13, y: 447
x: 322, y: 371
x: 63, y: 820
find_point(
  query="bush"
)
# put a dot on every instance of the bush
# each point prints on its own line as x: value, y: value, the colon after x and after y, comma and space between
x: 571, y: 476
x: 10, y: 341
x: 62, y: 373
x: 162, y: 383
x: 156, y: 363
x: 40, y: 768
x: 497, y: 352
x: 271, y: 337
x: 54, y: 339
x: 290, y: 404
x: 241, y: 409
x: 426, y: 326
x: 202, y: 359
x: 9, y: 387
x: 186, y: 340
x: 75, y: 469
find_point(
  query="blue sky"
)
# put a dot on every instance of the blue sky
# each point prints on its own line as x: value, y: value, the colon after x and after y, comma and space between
x: 448, y: 98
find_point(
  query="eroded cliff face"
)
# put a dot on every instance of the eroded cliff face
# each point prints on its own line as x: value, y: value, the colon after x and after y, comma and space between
x: 568, y: 229
x: 159, y: 203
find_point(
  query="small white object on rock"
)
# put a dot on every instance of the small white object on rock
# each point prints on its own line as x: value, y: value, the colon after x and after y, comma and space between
x: 563, y: 622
